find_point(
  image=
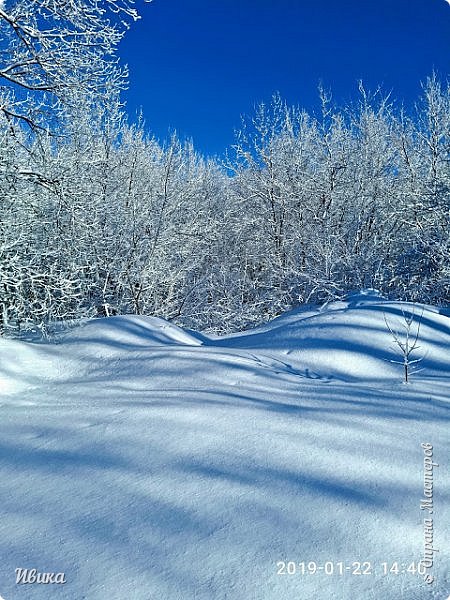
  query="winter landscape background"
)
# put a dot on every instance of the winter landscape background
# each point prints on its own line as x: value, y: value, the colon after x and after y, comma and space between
x: 203, y: 359
x: 104, y: 220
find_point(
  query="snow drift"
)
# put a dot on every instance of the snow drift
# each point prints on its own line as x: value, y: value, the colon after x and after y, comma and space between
x: 145, y: 461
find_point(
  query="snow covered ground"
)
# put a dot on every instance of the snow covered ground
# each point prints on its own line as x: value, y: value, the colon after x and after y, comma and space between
x: 150, y: 463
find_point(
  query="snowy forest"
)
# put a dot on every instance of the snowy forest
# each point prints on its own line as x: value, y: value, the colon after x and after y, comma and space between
x: 100, y: 218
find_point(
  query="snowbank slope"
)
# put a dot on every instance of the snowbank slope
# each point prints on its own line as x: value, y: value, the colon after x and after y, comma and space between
x: 147, y: 462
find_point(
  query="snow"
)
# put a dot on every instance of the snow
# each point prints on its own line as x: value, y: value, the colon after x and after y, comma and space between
x: 149, y: 462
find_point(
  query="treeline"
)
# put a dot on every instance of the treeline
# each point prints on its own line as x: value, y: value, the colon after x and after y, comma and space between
x: 99, y: 218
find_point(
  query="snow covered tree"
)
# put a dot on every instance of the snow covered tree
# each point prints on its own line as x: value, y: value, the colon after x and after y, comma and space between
x: 57, y: 71
x: 56, y: 50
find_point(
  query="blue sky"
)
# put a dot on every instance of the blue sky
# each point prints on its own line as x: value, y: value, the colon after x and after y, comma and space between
x: 197, y: 65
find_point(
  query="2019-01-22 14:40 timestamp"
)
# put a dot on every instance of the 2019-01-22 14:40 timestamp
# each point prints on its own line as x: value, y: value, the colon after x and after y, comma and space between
x: 349, y: 568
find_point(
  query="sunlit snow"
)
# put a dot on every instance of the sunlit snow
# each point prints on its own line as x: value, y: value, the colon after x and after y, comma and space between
x: 146, y: 461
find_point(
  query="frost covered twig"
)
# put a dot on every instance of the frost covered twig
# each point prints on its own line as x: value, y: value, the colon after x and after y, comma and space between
x: 406, y: 341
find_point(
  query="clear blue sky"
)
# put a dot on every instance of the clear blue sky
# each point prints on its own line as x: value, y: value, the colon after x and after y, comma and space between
x: 197, y: 65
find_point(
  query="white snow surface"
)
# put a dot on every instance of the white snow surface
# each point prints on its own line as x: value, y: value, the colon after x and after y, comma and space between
x: 148, y: 462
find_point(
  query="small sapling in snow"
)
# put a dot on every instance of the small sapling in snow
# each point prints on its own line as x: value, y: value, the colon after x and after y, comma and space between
x: 406, y: 341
